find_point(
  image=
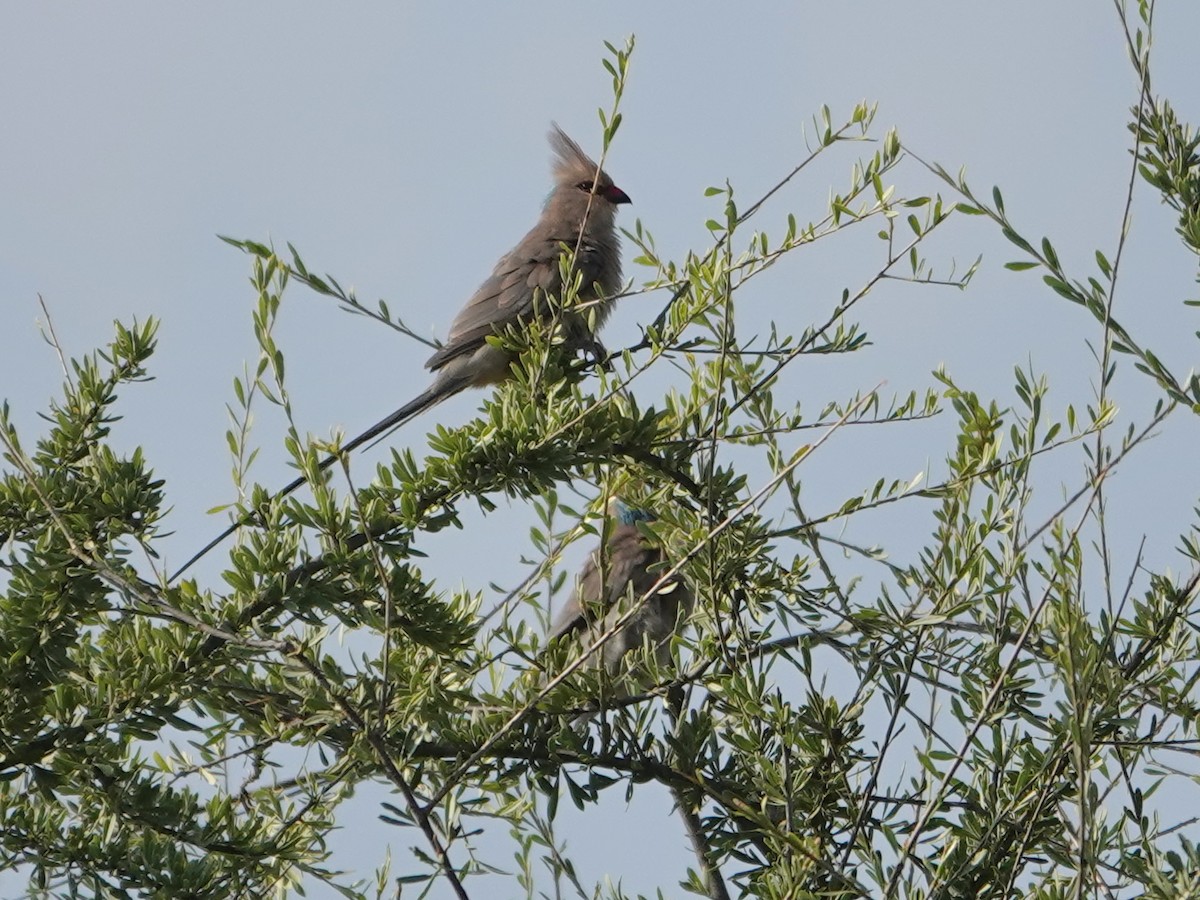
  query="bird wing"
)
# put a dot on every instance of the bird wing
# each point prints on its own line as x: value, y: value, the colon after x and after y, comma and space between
x: 506, y: 297
x: 606, y: 577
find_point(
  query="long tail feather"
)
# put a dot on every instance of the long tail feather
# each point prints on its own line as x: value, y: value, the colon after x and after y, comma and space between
x: 413, y: 408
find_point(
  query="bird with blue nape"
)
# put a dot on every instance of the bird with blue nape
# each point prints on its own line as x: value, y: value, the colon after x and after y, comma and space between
x: 618, y: 588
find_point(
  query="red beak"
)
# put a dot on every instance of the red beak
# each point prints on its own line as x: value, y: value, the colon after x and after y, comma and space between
x: 615, y: 195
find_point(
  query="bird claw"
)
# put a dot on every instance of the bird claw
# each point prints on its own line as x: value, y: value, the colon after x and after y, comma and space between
x: 595, y: 354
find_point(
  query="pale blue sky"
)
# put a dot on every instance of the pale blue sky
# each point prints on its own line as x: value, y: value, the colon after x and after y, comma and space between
x: 403, y: 150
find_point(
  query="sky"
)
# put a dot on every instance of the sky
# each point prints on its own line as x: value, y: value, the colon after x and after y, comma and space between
x: 402, y: 149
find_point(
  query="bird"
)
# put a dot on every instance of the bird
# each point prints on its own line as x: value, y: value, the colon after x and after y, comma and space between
x: 620, y: 579
x: 579, y: 217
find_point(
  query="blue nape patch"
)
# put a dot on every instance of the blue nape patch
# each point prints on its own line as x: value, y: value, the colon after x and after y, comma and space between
x: 629, y: 515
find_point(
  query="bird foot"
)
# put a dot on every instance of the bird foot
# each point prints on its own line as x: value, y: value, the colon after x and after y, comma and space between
x: 595, y: 354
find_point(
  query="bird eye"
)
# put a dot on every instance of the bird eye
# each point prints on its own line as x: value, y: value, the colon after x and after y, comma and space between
x: 585, y: 186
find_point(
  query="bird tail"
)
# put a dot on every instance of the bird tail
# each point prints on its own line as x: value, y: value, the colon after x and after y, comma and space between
x: 409, y: 410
